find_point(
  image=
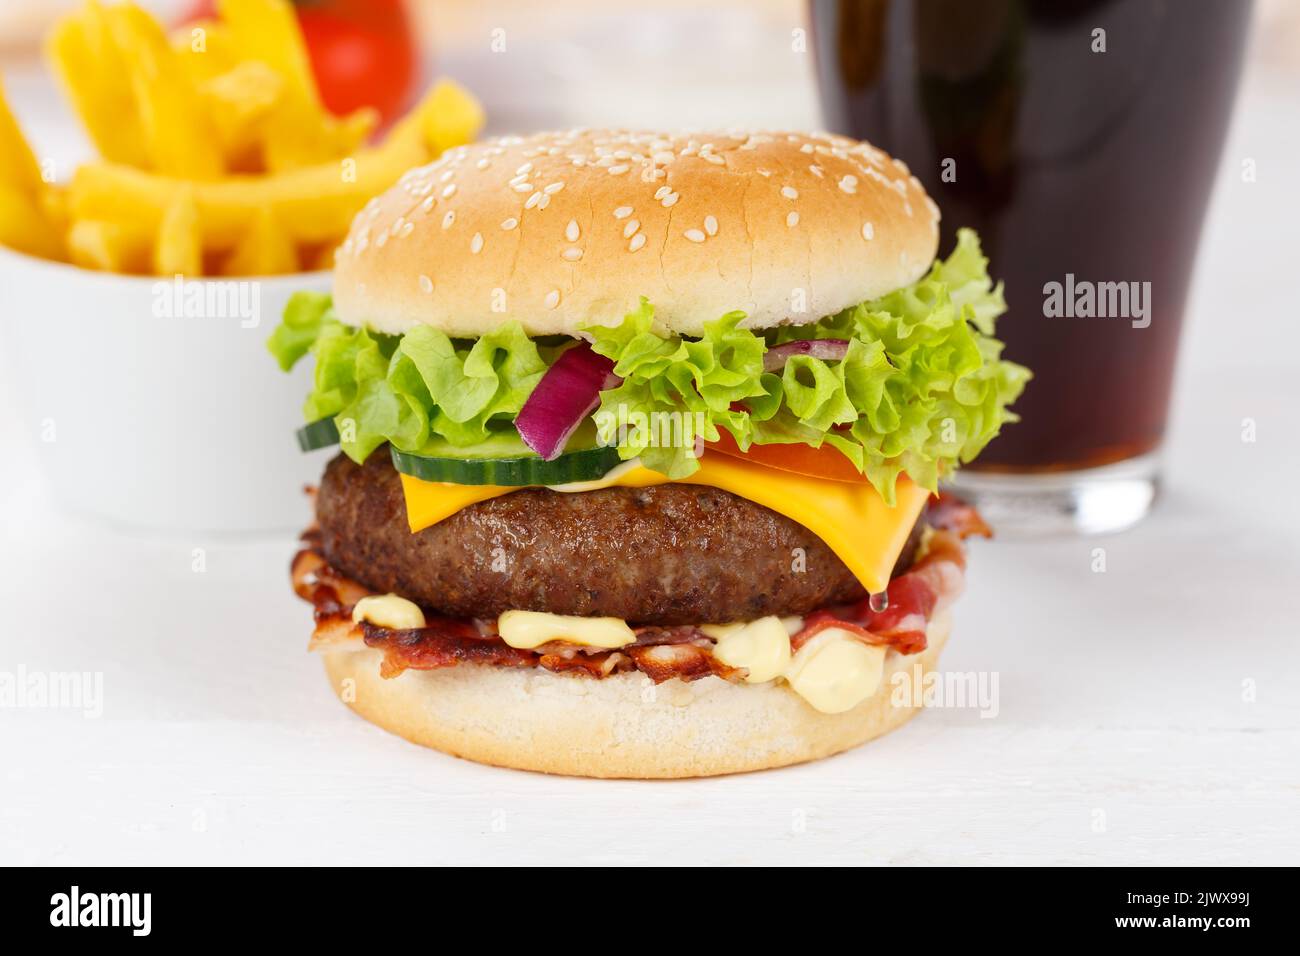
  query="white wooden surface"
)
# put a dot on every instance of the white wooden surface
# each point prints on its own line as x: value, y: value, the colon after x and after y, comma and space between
x: 1148, y: 714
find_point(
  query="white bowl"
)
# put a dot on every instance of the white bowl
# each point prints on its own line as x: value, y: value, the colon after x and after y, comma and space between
x: 166, y: 417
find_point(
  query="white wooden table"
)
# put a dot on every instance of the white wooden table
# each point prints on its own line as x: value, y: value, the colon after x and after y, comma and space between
x: 1148, y: 714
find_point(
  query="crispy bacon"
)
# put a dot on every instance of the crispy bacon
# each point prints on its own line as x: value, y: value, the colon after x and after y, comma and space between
x: 445, y: 643
x: 320, y: 585
x: 601, y: 664
x: 682, y: 634
x: 661, y: 662
x: 947, y: 512
x: 929, y: 586
x: 661, y: 653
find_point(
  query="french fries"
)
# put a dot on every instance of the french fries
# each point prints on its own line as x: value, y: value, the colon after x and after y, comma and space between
x: 18, y: 167
x: 176, y: 131
x: 179, y: 250
x: 264, y: 250
x: 31, y: 215
x: 24, y: 227
x: 315, y: 204
x: 96, y: 78
x: 217, y: 151
x: 109, y: 246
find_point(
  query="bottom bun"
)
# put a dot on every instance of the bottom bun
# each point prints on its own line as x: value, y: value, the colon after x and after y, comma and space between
x: 619, y: 726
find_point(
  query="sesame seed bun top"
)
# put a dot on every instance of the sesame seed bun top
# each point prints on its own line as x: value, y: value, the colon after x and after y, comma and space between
x: 564, y: 230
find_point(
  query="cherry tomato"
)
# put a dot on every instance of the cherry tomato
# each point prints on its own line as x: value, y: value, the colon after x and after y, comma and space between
x: 362, y: 52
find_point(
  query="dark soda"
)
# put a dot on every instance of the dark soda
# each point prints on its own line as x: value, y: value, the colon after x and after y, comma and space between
x: 1081, y: 139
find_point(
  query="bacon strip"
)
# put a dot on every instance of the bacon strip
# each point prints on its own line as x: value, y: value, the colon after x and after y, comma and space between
x: 445, y: 643
x: 661, y: 662
x: 928, y: 587
x: 947, y: 512
x: 661, y: 653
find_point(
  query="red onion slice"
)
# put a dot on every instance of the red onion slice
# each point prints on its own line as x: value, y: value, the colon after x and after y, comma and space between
x: 565, y: 396
x: 833, y: 349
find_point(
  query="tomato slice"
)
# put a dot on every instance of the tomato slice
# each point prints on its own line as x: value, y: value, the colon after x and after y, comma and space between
x: 823, y: 462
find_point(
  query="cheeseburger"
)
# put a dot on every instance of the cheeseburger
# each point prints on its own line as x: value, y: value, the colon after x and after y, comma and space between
x: 640, y: 440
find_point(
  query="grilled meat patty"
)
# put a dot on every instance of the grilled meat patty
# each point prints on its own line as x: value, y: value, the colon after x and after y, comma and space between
x: 667, y: 554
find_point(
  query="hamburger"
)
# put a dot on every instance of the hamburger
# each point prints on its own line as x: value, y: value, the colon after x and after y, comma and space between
x: 640, y: 437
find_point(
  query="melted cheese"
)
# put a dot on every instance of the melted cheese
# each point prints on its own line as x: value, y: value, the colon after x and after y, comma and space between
x: 762, y: 647
x: 834, y: 672
x: 388, y: 610
x: 853, y: 520
x: 529, y: 629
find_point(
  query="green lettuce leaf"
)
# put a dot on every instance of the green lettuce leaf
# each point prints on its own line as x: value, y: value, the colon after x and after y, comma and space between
x: 921, y: 389
x: 406, y: 389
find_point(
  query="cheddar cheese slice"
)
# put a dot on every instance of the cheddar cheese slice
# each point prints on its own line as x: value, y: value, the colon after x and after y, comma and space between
x: 853, y: 520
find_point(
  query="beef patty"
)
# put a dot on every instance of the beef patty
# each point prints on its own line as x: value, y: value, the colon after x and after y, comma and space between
x: 666, y: 554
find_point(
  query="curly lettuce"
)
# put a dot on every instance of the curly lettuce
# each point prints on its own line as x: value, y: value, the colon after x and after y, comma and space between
x: 405, y: 389
x: 921, y: 389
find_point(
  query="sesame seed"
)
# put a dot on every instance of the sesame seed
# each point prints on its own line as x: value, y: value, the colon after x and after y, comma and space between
x: 622, y: 212
x: 714, y: 159
x: 695, y: 235
x: 407, y: 229
x: 637, y: 242
x: 849, y: 184
x: 630, y: 229
x: 571, y: 231
x: 448, y: 219
x: 868, y: 231
x: 508, y: 224
x: 544, y: 201
x: 476, y: 244
x: 711, y: 225
x: 572, y: 254
x: 662, y: 191
x: 670, y: 200
x: 522, y: 187
x: 381, y: 239
x: 789, y: 192
x: 619, y: 170
x: 426, y: 284
x: 449, y: 190
x: 427, y: 204
x: 533, y: 200
x: 552, y: 298
x: 792, y: 220
x: 524, y: 169
x: 815, y: 170
x: 553, y: 188
x: 516, y: 180
x: 483, y: 163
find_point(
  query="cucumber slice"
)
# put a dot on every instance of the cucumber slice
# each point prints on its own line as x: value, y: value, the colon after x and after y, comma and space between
x: 318, y: 434
x: 586, y: 465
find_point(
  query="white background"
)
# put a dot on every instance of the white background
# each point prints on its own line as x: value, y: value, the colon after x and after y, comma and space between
x: 1148, y: 714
